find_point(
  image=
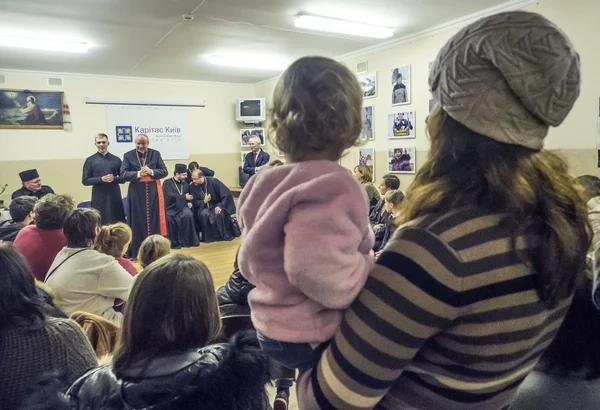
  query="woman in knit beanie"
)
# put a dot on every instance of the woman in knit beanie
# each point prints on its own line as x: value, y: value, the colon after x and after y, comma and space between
x: 473, y: 286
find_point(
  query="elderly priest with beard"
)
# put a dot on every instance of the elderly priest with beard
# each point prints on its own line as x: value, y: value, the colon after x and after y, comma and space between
x: 213, y: 205
x: 180, y: 218
x: 143, y: 168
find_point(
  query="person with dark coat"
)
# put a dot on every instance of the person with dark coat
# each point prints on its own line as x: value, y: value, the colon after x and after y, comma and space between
x: 166, y: 358
x: 214, y: 206
x: 180, y: 218
x: 101, y: 172
x: 144, y: 168
x: 21, y: 213
x: 256, y: 158
x: 32, y: 185
x: 194, y: 165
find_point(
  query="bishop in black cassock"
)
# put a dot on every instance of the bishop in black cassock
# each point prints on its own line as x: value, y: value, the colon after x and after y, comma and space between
x: 213, y: 205
x: 144, y: 168
x: 180, y: 218
x: 101, y: 172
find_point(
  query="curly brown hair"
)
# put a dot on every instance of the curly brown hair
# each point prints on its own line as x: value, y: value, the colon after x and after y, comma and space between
x: 317, y: 110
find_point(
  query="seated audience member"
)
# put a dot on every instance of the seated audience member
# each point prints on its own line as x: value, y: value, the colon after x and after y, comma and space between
x: 32, y: 342
x: 21, y: 213
x: 256, y: 158
x: 214, y: 206
x: 235, y: 291
x: 493, y: 237
x: 365, y: 176
x: 114, y: 240
x: 393, y: 205
x: 152, y: 249
x: 166, y: 358
x: 40, y: 243
x: 181, y: 227
x: 32, y: 185
x: 101, y: 333
x: 568, y: 374
x: 194, y: 165
x: 589, y: 187
x: 389, y: 182
x: 84, y: 279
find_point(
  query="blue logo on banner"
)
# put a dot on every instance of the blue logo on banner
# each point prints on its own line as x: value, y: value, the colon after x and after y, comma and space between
x: 124, y: 134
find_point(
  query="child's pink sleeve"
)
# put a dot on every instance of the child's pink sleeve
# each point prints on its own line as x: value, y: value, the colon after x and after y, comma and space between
x: 327, y: 250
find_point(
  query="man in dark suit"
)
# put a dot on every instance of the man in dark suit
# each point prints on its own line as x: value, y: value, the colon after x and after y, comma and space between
x: 256, y: 158
x: 32, y: 185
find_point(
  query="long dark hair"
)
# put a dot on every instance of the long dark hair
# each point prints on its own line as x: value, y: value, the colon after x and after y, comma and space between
x: 172, y: 307
x: 532, y: 188
x: 20, y: 304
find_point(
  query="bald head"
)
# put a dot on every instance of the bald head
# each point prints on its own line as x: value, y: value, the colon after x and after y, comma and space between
x: 141, y: 143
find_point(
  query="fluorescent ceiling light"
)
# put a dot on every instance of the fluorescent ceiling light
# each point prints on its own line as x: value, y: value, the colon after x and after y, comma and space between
x: 43, y: 44
x: 342, y: 27
x: 248, y: 61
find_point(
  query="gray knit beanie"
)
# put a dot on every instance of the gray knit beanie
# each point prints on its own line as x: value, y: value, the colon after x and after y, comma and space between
x: 509, y: 77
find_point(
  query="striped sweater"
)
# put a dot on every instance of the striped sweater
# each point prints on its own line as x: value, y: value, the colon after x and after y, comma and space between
x: 449, y: 319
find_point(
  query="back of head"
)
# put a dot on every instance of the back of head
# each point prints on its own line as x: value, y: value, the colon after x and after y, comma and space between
x: 21, y: 207
x: 188, y: 317
x: 193, y: 165
x: 81, y: 227
x: 590, y: 185
x: 112, y: 239
x: 391, y: 181
x: 487, y: 134
x: 153, y: 248
x: 52, y: 210
x: 20, y: 304
x: 316, y: 110
x: 395, y: 197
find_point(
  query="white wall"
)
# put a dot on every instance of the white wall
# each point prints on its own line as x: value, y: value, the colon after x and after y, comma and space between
x: 576, y: 138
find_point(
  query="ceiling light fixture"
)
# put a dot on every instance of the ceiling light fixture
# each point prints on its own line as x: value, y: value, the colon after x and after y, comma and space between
x: 43, y: 44
x: 342, y: 27
x: 248, y: 61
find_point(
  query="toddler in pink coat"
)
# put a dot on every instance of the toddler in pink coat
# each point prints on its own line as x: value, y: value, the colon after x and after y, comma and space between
x: 307, y: 240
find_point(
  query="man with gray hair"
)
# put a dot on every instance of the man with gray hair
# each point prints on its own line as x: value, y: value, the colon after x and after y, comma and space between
x: 255, y: 158
x: 101, y: 172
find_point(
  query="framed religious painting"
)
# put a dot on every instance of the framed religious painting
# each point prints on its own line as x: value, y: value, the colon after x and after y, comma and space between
x: 31, y: 109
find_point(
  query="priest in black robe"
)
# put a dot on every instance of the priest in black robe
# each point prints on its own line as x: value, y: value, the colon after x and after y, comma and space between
x: 180, y: 218
x: 214, y: 206
x: 101, y: 172
x: 32, y: 185
x: 144, y: 168
x: 194, y: 165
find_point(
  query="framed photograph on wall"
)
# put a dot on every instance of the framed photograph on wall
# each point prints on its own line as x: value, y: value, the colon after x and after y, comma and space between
x: 368, y: 83
x: 402, y: 160
x: 366, y: 157
x: 247, y: 133
x: 368, y: 132
x: 31, y: 109
x: 401, y: 85
x: 401, y: 125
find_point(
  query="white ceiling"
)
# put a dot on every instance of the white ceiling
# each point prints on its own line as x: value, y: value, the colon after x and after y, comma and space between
x: 123, y: 34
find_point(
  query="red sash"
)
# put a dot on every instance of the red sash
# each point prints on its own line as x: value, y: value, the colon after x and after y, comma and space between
x: 161, y: 203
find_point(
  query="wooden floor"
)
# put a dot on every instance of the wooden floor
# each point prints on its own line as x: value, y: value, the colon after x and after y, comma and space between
x: 218, y: 256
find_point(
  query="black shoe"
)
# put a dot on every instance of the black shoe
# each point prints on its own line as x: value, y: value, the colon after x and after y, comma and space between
x: 282, y: 400
x: 175, y: 246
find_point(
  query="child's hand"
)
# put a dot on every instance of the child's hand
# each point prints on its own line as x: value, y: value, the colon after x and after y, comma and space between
x: 377, y: 254
x: 377, y: 227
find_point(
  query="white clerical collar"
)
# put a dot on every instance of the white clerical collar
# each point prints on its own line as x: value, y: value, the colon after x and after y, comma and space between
x: 103, y: 153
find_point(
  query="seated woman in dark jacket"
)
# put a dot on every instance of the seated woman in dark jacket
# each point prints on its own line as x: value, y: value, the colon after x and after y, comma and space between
x: 568, y: 374
x: 165, y: 359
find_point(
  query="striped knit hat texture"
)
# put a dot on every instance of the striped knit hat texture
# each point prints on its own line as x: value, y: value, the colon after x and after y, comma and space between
x: 509, y: 77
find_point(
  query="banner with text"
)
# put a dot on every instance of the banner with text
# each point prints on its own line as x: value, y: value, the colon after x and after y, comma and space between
x: 167, y: 129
